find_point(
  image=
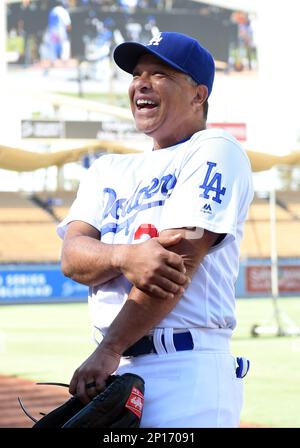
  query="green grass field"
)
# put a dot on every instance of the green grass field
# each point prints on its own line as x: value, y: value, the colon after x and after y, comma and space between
x: 47, y: 343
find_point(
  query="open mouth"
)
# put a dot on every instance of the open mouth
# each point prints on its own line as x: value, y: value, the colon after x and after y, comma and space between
x: 145, y: 104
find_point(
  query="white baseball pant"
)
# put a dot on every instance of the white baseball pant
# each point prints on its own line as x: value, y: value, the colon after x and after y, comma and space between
x: 190, y: 389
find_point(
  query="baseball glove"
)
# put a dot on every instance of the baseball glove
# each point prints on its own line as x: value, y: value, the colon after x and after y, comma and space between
x: 120, y: 405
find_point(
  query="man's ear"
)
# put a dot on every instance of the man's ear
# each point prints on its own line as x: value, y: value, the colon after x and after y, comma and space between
x: 201, y: 95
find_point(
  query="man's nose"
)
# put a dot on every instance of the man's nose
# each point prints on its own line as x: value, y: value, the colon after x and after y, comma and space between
x: 143, y: 82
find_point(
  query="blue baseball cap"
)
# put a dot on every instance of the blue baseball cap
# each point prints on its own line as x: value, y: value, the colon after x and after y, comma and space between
x: 178, y: 50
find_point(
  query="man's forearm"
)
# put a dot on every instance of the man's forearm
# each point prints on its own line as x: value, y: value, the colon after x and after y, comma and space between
x: 149, y: 266
x: 89, y: 261
x: 140, y: 313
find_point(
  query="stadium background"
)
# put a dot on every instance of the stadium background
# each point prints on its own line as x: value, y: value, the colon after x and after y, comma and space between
x: 57, y: 121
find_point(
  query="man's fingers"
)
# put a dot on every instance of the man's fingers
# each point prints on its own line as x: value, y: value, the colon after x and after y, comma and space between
x: 175, y: 276
x: 73, y: 385
x: 171, y: 286
x: 156, y: 291
x: 90, y: 389
x: 170, y: 240
x: 83, y: 393
x: 90, y: 384
x: 84, y: 389
x: 100, y: 385
x: 175, y: 261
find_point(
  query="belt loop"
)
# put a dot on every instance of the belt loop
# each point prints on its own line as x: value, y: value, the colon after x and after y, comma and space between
x: 169, y: 341
x: 158, y: 342
x: 196, y: 338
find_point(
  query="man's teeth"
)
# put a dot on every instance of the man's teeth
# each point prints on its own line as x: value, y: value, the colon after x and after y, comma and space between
x: 142, y: 102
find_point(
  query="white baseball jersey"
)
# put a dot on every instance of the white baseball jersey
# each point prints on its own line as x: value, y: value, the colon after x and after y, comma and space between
x: 205, y: 182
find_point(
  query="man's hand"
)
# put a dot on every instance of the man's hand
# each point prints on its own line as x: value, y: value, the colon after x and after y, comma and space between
x: 154, y: 269
x: 89, y: 379
x: 151, y: 266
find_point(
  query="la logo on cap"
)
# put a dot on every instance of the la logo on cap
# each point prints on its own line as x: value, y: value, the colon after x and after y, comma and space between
x: 156, y: 39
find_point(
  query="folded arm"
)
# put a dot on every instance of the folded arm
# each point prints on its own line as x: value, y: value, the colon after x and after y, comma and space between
x: 140, y: 313
x: 150, y: 266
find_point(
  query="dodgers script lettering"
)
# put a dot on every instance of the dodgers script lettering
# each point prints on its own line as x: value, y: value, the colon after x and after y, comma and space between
x: 122, y: 211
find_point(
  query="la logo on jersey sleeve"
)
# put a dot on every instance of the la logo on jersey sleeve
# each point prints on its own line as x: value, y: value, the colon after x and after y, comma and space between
x: 211, y: 188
